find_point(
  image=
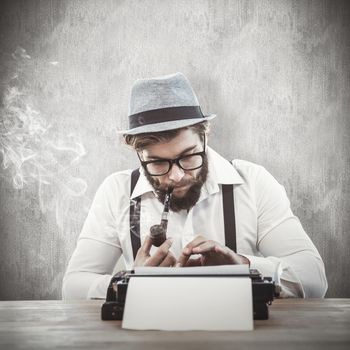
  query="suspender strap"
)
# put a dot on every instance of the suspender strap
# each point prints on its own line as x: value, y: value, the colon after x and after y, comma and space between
x: 229, y: 217
x: 134, y: 216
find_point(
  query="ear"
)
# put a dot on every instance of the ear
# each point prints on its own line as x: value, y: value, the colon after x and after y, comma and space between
x: 205, y: 140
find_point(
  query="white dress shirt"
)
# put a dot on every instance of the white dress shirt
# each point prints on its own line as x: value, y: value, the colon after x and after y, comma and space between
x: 268, y: 233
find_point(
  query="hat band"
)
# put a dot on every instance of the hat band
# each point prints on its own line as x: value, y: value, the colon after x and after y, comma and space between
x: 164, y: 115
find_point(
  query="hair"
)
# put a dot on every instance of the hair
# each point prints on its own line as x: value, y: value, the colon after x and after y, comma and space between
x: 140, y: 141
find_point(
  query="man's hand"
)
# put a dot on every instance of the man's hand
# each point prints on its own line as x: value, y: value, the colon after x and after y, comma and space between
x: 162, y: 257
x: 212, y: 253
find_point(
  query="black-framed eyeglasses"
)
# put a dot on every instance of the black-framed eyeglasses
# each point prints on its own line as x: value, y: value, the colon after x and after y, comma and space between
x: 161, y: 167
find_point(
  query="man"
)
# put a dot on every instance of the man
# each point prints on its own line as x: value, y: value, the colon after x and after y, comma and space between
x: 221, y: 212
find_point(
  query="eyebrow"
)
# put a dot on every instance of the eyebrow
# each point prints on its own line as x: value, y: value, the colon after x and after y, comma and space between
x: 188, y: 149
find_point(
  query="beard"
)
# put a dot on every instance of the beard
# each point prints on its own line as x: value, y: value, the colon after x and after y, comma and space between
x: 190, y: 198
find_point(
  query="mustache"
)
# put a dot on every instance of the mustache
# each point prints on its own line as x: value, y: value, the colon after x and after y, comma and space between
x: 176, y: 185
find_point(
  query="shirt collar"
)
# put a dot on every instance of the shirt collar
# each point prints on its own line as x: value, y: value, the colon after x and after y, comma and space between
x: 221, y: 171
x: 142, y: 186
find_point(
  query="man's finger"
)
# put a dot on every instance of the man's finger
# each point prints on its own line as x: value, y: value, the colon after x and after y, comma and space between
x: 230, y: 254
x: 183, y: 258
x: 208, y: 246
x: 187, y: 251
x: 194, y: 262
x: 194, y: 243
x: 146, y: 246
x: 169, y: 260
x: 160, y: 254
x: 223, y: 250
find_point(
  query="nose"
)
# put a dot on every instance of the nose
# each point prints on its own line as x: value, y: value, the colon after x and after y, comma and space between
x: 176, y: 173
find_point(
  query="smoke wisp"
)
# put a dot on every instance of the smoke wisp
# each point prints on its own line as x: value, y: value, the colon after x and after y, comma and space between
x: 32, y: 151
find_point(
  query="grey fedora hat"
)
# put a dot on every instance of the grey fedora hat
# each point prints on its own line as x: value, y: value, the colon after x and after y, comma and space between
x: 163, y: 103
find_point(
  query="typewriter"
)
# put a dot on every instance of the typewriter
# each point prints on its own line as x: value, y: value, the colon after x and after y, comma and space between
x: 264, y: 292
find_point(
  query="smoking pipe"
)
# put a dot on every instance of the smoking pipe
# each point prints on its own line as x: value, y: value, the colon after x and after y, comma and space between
x: 158, y: 232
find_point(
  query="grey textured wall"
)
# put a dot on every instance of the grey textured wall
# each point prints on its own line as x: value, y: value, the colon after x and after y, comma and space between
x: 277, y: 73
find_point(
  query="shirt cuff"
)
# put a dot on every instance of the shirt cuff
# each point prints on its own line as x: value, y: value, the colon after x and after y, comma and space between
x: 273, y: 267
x: 268, y: 267
x: 98, y: 288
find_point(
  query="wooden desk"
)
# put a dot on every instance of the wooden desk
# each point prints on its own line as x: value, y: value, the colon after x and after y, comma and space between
x: 293, y: 324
